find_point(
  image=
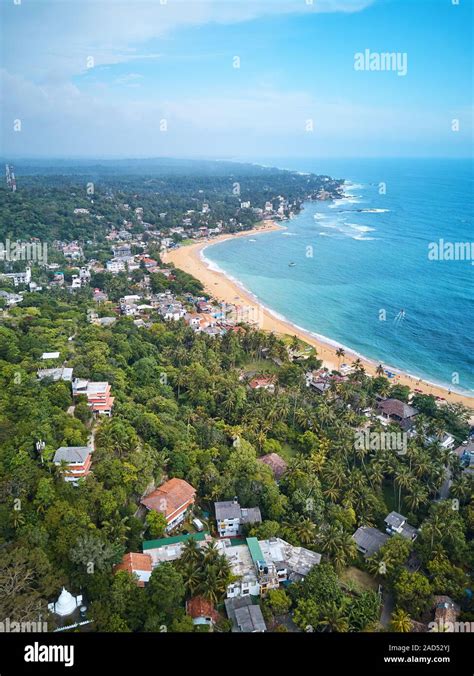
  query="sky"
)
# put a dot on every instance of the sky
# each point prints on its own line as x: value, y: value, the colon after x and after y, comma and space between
x: 236, y: 79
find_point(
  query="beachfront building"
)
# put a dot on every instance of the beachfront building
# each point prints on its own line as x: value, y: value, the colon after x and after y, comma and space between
x: 230, y: 516
x: 465, y: 453
x: 445, y: 440
x: 129, y: 305
x: 99, y: 296
x: 173, y: 499
x: 318, y: 381
x: 171, y: 311
x: 394, y: 410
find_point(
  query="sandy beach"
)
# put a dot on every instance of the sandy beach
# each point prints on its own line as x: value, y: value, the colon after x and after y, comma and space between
x: 220, y: 287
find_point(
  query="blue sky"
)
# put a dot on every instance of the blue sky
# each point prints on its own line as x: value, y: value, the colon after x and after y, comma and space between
x: 175, y: 62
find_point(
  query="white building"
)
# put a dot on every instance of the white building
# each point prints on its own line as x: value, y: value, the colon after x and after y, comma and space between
x: 50, y: 355
x: 66, y: 604
x: 61, y: 373
x: 230, y: 516
x: 115, y: 266
x: 18, y: 278
x: 11, y: 298
x: 258, y: 565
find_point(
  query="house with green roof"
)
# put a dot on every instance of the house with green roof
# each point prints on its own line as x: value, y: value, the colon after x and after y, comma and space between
x: 177, y: 539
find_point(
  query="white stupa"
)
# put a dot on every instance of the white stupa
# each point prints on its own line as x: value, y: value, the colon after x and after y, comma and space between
x: 66, y: 604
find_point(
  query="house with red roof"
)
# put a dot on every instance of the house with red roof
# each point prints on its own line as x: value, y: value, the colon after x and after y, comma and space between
x: 202, y: 611
x: 137, y: 564
x: 276, y: 464
x: 173, y: 499
x: 98, y: 395
x: 263, y: 383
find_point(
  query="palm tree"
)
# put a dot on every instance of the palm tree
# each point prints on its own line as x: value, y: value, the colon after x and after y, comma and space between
x: 17, y: 518
x: 304, y: 529
x: 337, y: 544
x: 303, y: 417
x: 282, y: 408
x: 211, y: 553
x: 332, y: 493
x: 191, y: 553
x: 208, y: 586
x: 417, y: 496
x: 335, y: 473
x: 335, y: 618
x: 434, y: 527
x: 376, y: 473
x: 462, y: 487
x: 325, y: 414
x: 340, y: 353
x: 401, y: 621
x: 360, y: 452
x: 116, y: 528
x: 192, y: 577
x: 295, y: 344
x: 380, y: 371
x: 422, y: 464
x: 215, y: 577
x: 403, y: 479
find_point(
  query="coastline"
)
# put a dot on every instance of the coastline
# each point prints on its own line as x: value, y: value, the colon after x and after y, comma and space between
x: 217, y: 284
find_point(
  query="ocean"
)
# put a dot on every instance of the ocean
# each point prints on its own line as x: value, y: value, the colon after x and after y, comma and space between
x: 362, y: 275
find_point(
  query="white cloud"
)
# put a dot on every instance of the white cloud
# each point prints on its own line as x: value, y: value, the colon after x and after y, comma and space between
x: 59, y: 119
x: 58, y: 36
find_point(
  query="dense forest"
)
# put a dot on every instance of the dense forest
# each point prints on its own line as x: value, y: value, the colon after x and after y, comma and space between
x: 44, y: 206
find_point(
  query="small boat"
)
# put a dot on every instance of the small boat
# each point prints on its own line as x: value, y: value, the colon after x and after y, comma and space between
x: 291, y: 265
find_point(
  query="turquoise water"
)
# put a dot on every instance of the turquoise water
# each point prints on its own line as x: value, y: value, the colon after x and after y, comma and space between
x: 363, y: 279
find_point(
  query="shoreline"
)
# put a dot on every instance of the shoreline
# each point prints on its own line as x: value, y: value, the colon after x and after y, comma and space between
x: 220, y: 286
